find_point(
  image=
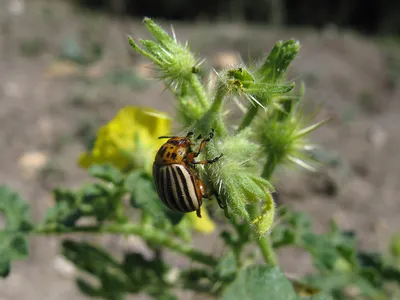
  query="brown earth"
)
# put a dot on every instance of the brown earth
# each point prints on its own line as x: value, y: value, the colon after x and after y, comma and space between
x: 46, y: 106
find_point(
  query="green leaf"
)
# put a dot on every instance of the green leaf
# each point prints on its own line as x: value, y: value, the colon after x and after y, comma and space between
x: 134, y: 274
x: 100, y: 200
x: 293, y: 226
x: 375, y: 270
x: 331, y: 281
x: 5, y: 267
x: 66, y: 211
x: 276, y: 89
x: 144, y: 196
x: 227, y: 266
x: 107, y: 173
x: 282, y: 236
x: 13, y: 243
x: 158, y: 33
x: 260, y: 283
x: 87, y: 288
x: 322, y: 250
x: 274, y: 67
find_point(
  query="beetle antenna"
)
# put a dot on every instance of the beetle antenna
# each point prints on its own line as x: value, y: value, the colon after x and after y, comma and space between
x: 166, y: 136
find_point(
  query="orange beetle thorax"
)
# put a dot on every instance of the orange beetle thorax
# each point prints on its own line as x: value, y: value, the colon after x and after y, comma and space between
x: 173, y: 151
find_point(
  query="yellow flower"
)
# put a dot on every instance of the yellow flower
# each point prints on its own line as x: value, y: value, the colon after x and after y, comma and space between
x: 130, y: 140
x: 203, y: 224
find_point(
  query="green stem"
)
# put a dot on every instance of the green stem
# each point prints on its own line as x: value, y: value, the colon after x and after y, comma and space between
x: 216, y: 108
x: 248, y: 118
x: 264, y: 243
x: 199, y: 91
x: 212, y: 118
x: 269, y: 168
x: 147, y: 233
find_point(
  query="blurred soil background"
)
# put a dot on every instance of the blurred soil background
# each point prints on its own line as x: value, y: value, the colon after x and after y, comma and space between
x: 64, y: 71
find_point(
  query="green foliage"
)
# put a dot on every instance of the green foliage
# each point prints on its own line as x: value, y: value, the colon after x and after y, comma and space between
x: 336, y: 258
x: 143, y: 196
x: 101, y: 200
x: 277, y: 62
x: 133, y: 274
x: 13, y: 243
x: 273, y: 132
x: 259, y: 283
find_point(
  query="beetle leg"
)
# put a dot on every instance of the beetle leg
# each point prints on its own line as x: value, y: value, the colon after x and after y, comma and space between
x: 204, y: 142
x: 219, y: 201
x: 205, y: 162
x: 216, y: 197
x: 198, y: 212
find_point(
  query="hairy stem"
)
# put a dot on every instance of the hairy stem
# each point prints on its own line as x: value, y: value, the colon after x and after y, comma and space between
x: 269, y: 167
x: 147, y: 233
x: 248, y: 117
x: 199, y: 91
x: 212, y: 118
x: 264, y: 243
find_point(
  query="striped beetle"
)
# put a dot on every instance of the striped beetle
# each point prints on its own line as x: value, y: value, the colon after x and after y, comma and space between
x: 177, y: 182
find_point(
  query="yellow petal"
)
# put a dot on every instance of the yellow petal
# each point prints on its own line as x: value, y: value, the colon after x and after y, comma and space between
x: 203, y: 224
x: 130, y: 139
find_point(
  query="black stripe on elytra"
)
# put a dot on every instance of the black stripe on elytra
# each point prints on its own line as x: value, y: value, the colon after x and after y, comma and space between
x: 180, y: 197
x: 156, y: 176
x: 181, y: 184
x: 161, y: 185
x: 186, y: 189
x: 169, y: 192
x: 199, y: 200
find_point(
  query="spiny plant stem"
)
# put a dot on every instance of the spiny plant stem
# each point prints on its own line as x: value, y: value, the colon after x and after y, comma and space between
x: 147, y: 233
x: 216, y: 108
x: 269, y: 168
x: 199, y: 91
x: 267, y: 251
x: 248, y: 118
x: 212, y: 118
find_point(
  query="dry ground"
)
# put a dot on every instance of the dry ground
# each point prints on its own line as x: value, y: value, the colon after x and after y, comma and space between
x: 45, y: 107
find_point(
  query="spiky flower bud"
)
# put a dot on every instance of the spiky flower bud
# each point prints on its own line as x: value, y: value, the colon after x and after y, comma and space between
x: 236, y: 181
x: 283, y: 137
x: 175, y: 62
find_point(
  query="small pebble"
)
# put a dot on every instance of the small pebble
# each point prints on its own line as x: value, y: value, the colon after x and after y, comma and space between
x: 64, y: 267
x: 31, y: 162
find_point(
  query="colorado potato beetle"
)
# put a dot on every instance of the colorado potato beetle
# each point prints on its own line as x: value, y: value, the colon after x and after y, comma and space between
x: 177, y: 182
